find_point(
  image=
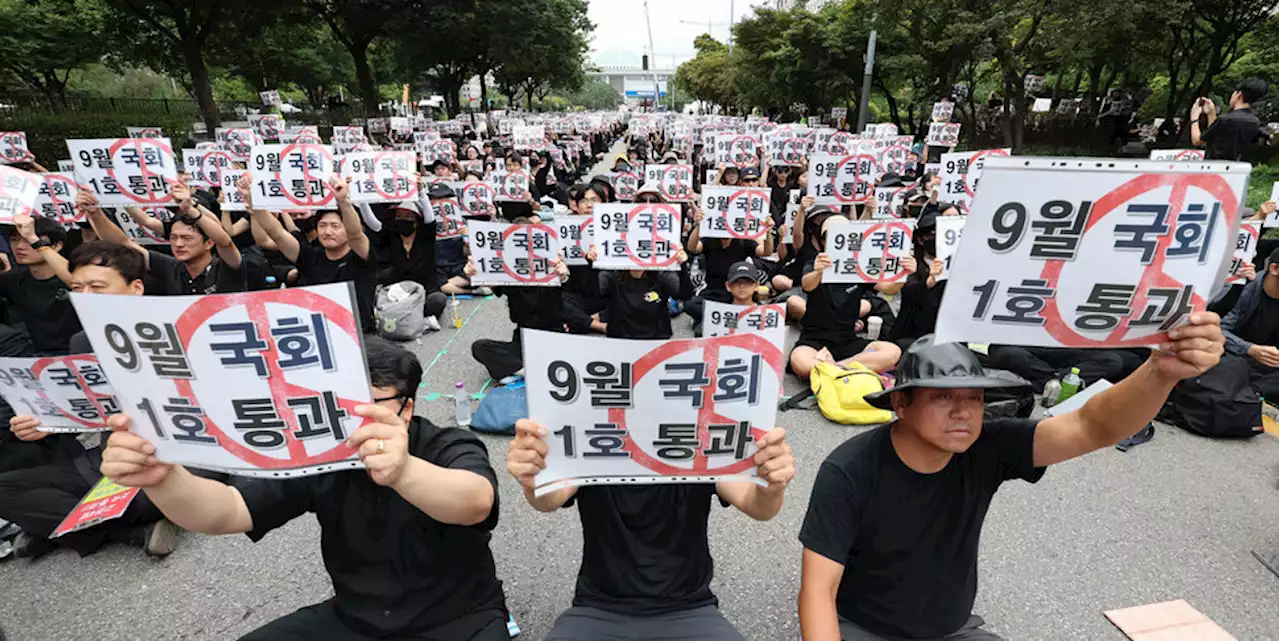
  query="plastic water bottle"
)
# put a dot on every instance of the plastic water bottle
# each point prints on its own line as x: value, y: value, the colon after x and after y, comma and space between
x: 874, y: 324
x: 461, y: 404
x: 271, y: 282
x: 457, y: 317
x: 1071, y: 384
x: 1052, y: 390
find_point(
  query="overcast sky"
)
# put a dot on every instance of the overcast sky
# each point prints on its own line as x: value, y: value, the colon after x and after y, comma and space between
x: 620, y: 24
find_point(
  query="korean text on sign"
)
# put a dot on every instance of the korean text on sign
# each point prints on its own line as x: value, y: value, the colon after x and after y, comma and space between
x: 575, y: 238
x: 475, y: 198
x: 960, y: 174
x: 643, y: 236
x: 949, y: 231
x: 674, y: 181
x: 238, y: 141
x: 448, y: 213
x: 737, y: 150
x: 13, y: 147
x: 528, y: 138
x: 1077, y: 253
x: 57, y: 199
x: 292, y: 177
x: 381, y: 176
x: 868, y: 252
x: 1246, y: 245
x: 105, y: 501
x: 255, y: 384
x: 734, y: 212
x: 204, y: 167
x: 943, y: 134
x: 724, y: 319
x: 19, y: 191
x: 841, y: 180
x: 67, y: 393
x: 506, y: 254
x: 510, y: 186
x: 125, y: 171
x: 632, y: 411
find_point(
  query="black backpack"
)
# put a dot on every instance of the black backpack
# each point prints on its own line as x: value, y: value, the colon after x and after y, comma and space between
x: 1219, y: 403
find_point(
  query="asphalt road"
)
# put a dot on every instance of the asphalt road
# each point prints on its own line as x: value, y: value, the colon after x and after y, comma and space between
x: 1173, y: 519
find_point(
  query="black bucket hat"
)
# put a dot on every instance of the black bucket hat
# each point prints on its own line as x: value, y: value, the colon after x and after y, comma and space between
x: 942, y: 366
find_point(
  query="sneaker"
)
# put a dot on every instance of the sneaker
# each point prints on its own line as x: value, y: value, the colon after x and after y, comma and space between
x: 433, y: 323
x: 162, y: 538
x: 482, y: 291
x: 30, y: 547
x: 1145, y: 434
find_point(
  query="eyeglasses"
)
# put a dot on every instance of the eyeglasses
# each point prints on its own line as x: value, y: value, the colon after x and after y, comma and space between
x: 404, y: 400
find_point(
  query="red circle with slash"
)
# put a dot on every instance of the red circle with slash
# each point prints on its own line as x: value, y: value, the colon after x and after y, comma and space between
x: 11, y: 147
x: 76, y: 215
x: 1189, y: 154
x: 335, y: 313
x: 531, y: 279
x: 211, y: 160
x: 444, y: 150
x: 411, y: 190
x: 857, y: 180
x: 973, y: 159
x: 884, y: 252
x: 149, y: 133
x: 93, y: 397
x: 626, y: 184
x: 839, y: 142
x: 793, y: 150
x: 1255, y: 230
x: 748, y: 194
x: 482, y: 209
x: 734, y: 144
x: 895, y: 150
x: 1154, y: 275
x: 653, y: 262
x: 269, y: 127
x: 769, y: 353
x: 507, y: 184
x: 764, y: 310
x: 237, y: 144
x: 139, y: 144
x: 309, y: 201
x: 581, y: 243
x: 683, y: 190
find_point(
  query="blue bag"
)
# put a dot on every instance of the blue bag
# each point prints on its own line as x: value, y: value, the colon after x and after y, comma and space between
x: 500, y: 410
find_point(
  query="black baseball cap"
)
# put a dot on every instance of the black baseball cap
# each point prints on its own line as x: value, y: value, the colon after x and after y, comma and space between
x: 743, y: 269
x: 750, y: 173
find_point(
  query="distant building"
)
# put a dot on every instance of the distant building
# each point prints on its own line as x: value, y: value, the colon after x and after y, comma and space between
x: 624, y: 71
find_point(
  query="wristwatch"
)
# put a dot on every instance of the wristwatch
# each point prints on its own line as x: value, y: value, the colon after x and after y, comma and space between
x: 40, y: 244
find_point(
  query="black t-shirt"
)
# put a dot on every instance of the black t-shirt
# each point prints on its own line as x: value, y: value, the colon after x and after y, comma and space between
x: 644, y: 548
x: 173, y: 279
x: 1261, y: 328
x: 832, y: 310
x: 638, y: 306
x: 394, y: 569
x: 535, y: 307
x: 918, y: 314
x: 1230, y: 135
x: 909, y: 541
x: 418, y: 264
x: 451, y: 256
x: 316, y: 268
x: 44, y: 307
x: 717, y: 260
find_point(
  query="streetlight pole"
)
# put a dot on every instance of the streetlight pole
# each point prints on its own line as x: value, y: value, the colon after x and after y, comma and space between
x: 866, y: 82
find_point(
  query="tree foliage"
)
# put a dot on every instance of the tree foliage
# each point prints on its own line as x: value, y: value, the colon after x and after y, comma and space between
x: 43, y: 43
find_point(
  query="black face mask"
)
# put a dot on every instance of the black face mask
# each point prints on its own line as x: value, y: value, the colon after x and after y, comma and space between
x: 914, y: 210
x: 929, y: 243
x: 401, y: 227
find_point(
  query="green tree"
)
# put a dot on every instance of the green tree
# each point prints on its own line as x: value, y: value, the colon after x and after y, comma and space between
x: 44, y: 42
x: 291, y: 50
x: 782, y: 58
x: 358, y: 25
x: 545, y: 52
x: 708, y: 76
x: 594, y: 94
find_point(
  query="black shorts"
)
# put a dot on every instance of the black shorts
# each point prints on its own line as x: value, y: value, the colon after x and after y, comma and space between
x: 445, y: 272
x: 840, y: 347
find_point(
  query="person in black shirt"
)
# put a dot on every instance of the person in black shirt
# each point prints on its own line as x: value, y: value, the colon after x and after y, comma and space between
x: 636, y: 299
x: 922, y: 293
x: 412, y: 253
x: 1227, y: 137
x: 891, y: 534
x: 38, y: 287
x: 1251, y: 329
x: 646, y: 562
x: 405, y: 541
x: 580, y: 294
x: 345, y: 253
x: 718, y: 254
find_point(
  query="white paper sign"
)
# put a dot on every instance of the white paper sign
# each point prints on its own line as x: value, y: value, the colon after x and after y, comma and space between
x: 674, y: 181
x: 786, y: 149
x: 19, y: 191
x: 230, y: 195
x: 1246, y: 246
x: 267, y: 126
x: 841, y: 180
x: 942, y: 111
x: 144, y: 132
x: 1042, y: 105
x: 66, y: 166
x: 66, y: 393
x: 1177, y: 154
x: 943, y: 134
x: 136, y: 232
x: 381, y: 176
x: 125, y: 171
x: 950, y: 229
x: 643, y: 236
x: 507, y: 254
x: 636, y: 411
x: 868, y: 251
x: 57, y: 198
x: 256, y: 384
x: 738, y: 150
x: 787, y: 233
x: 625, y: 184
x: 724, y: 319
x: 890, y: 202
x: 13, y: 147
x: 238, y: 141
x: 204, y: 167
x: 292, y: 177
x: 960, y: 174
x: 1080, y: 253
x: 734, y: 212
x: 270, y: 98
x: 575, y: 237
x: 529, y: 137
x: 345, y: 139
x: 511, y: 187
x: 475, y: 198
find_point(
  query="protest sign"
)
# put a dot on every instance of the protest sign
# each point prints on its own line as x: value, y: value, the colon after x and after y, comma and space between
x: 821, y: 139
x: 625, y: 184
x: 635, y: 411
x: 512, y: 187
x: 57, y: 198
x: 230, y: 195
x: 1081, y: 253
x: 890, y: 201
x: 841, y: 180
x: 204, y: 167
x: 300, y: 136
x: 238, y: 141
x: 946, y: 241
x: 787, y: 232
x: 292, y: 177
x: 345, y: 139
x: 528, y: 137
x: 448, y: 213
x: 1246, y: 246
x: 724, y: 319
x: 674, y: 181
x: 786, y: 149
x: 125, y: 171
x: 868, y: 252
x: 738, y: 150
x: 104, y: 502
x: 891, y: 154
x: 1042, y: 105
x: 13, y: 147
x: 1033, y: 83
x: 643, y: 236
x: 375, y: 125
x: 66, y: 166
x: 507, y: 254
x: 66, y: 393
x: 144, y: 132
x: 381, y: 176
x: 258, y: 383
x: 1177, y: 154
x: 401, y: 128
x: 439, y: 150
x: 885, y: 130
x: 267, y: 126
x: 942, y: 111
x: 136, y: 232
x: 270, y: 98
x: 734, y: 212
x: 960, y: 174
x: 1275, y: 192
x: 839, y: 113
x: 19, y: 191
x: 943, y: 134
x: 575, y: 237
x: 475, y: 198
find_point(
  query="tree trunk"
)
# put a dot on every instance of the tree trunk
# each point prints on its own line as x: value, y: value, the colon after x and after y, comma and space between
x: 364, y: 78
x: 1075, y: 84
x: 484, y: 92
x: 193, y: 52
x: 1089, y: 107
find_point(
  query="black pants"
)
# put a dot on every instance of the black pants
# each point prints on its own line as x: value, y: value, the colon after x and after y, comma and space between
x: 697, y: 306
x: 321, y: 621
x: 501, y: 358
x: 435, y: 304
x: 38, y: 498
x: 1041, y: 364
x: 577, y: 310
x: 1262, y: 378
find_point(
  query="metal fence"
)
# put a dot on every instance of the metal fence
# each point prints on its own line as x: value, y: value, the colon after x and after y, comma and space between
x: 33, y: 104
